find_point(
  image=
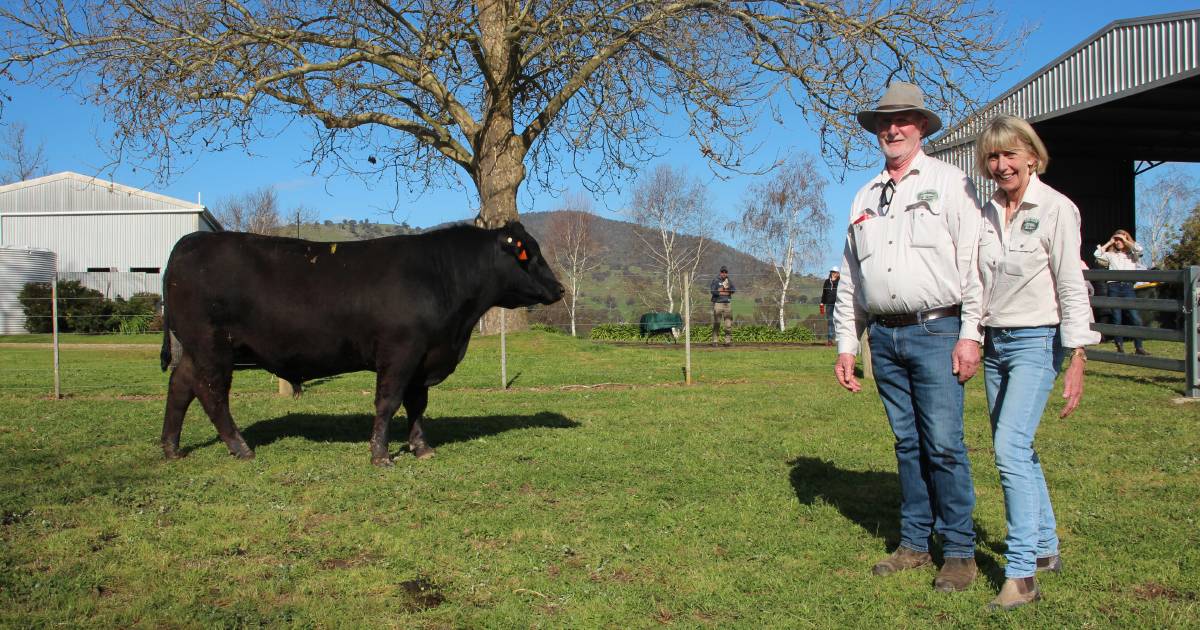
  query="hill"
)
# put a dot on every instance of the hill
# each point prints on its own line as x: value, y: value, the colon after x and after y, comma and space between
x: 625, y: 284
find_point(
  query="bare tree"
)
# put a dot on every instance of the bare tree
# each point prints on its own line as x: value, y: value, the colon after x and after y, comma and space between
x: 784, y: 221
x: 673, y: 211
x: 24, y: 161
x: 431, y: 91
x: 1163, y: 204
x: 573, y: 249
x: 256, y: 212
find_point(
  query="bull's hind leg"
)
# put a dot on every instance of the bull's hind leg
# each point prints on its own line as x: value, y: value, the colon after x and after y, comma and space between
x: 415, y: 401
x: 179, y: 398
x: 212, y: 388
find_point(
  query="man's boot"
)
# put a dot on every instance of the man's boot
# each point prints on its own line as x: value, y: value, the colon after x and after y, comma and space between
x: 956, y: 575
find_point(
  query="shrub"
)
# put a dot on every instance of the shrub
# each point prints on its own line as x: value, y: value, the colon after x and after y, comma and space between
x: 84, y: 310
x: 615, y: 332
x: 546, y: 328
x: 701, y: 334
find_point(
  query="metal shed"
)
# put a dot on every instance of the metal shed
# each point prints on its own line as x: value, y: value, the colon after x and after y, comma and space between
x: 1128, y: 94
x: 114, y: 238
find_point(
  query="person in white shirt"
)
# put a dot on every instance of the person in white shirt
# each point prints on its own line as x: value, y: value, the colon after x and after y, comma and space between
x: 1122, y: 253
x: 1035, y: 310
x: 909, y: 273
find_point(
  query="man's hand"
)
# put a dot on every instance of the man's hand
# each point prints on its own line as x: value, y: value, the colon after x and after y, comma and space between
x: 965, y: 359
x: 844, y: 371
x: 1073, y: 386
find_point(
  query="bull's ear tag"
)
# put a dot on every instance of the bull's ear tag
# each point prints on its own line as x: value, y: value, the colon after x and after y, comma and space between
x: 521, y: 255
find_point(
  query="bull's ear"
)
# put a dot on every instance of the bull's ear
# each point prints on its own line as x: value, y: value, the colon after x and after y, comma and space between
x: 514, y: 246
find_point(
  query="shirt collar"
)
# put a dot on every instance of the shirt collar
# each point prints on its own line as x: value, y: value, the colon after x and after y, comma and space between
x: 1035, y: 194
x: 918, y: 162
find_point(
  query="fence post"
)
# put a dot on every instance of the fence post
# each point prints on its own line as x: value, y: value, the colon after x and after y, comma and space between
x: 54, y: 327
x: 687, y: 330
x: 503, y: 353
x: 1191, y: 336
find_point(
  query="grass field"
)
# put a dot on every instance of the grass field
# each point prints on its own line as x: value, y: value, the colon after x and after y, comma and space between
x: 597, y: 492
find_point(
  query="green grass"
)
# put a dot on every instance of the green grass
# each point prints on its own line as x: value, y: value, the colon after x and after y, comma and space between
x: 598, y: 492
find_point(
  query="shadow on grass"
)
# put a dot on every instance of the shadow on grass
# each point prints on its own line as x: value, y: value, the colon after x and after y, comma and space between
x: 871, y: 499
x: 1172, y: 382
x: 357, y: 428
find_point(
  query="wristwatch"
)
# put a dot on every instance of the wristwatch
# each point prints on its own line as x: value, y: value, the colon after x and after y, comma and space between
x: 1079, y: 352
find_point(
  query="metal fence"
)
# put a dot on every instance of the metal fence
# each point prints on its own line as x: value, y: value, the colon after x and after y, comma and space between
x: 1182, y: 283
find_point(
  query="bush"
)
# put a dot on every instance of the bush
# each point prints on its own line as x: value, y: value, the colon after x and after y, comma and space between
x: 84, y: 310
x: 701, y: 334
x: 547, y: 328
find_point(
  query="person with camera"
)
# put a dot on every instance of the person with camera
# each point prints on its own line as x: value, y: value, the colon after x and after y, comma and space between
x: 1122, y: 253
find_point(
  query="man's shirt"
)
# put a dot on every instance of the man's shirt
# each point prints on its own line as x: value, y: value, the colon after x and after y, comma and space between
x: 915, y: 253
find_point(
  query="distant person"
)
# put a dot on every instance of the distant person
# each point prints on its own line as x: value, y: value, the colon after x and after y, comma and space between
x: 912, y: 280
x: 1122, y: 253
x: 828, y: 301
x: 1036, y: 310
x: 722, y: 290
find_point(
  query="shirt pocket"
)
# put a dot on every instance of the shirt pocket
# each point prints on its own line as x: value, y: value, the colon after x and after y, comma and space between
x: 1022, y: 257
x: 991, y: 251
x: 926, y: 225
x: 867, y: 234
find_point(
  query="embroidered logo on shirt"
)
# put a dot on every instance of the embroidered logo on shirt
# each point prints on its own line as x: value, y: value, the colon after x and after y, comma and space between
x: 927, y: 195
x: 1029, y: 225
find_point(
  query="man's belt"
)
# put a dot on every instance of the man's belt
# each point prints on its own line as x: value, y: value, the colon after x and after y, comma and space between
x: 892, y: 320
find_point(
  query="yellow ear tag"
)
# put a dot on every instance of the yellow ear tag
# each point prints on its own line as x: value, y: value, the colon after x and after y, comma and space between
x: 333, y: 248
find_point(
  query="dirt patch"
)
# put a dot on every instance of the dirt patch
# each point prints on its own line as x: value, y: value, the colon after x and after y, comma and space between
x: 423, y: 593
x: 1154, y: 590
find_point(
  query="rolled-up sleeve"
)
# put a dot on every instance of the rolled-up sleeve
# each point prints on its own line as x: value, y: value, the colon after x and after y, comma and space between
x: 964, y: 220
x: 1074, y: 307
x: 849, y: 317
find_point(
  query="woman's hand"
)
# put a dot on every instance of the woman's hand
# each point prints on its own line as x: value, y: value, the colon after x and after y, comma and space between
x: 1073, y: 384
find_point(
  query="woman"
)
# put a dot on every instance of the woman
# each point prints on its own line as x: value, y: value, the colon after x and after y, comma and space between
x: 1122, y: 253
x: 1030, y: 266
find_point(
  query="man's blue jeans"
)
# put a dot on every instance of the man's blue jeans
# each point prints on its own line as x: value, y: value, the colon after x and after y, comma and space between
x: 924, y: 404
x: 1020, y: 365
x: 829, y: 330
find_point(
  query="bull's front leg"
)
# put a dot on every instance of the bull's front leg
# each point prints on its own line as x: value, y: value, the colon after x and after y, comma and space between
x: 390, y: 385
x: 415, y: 401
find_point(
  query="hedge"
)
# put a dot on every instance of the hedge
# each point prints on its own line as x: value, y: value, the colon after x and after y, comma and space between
x: 752, y: 333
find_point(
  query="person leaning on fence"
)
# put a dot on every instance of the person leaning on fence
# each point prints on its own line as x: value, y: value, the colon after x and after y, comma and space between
x: 1122, y: 253
x: 911, y: 279
x: 722, y: 290
x: 1035, y: 310
x: 829, y: 300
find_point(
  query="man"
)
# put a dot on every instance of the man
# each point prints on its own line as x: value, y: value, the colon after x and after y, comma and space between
x: 722, y: 292
x: 829, y: 300
x: 911, y: 281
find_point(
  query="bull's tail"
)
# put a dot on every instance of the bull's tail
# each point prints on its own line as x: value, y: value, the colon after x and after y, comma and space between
x: 164, y: 357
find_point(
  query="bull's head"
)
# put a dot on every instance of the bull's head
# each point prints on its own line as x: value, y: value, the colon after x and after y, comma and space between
x: 527, y: 278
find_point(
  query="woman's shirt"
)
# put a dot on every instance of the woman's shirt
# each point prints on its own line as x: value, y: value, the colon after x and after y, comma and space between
x: 1120, y: 260
x: 1030, y: 268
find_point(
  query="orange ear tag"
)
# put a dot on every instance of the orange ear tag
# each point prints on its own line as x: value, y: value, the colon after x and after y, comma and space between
x: 521, y: 255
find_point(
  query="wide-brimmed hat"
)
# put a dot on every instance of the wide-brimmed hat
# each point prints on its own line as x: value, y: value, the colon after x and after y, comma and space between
x: 900, y: 97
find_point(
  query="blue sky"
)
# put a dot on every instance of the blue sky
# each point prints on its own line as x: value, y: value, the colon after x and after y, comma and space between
x: 68, y: 131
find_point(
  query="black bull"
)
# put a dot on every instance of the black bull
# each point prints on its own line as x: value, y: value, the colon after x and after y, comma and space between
x: 402, y: 306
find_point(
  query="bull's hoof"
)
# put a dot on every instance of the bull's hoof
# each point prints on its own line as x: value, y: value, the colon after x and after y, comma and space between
x: 172, y: 453
x: 383, y: 462
x: 245, y: 455
x: 422, y: 451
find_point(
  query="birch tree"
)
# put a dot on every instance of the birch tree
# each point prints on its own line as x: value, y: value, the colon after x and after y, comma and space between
x: 784, y: 222
x: 672, y: 210
x: 573, y: 249
x: 1163, y: 204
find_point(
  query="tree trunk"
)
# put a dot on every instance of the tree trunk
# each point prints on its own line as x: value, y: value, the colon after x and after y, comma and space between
x: 499, y: 161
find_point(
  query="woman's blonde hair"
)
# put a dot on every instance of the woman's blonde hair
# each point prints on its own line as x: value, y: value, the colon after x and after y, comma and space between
x: 1005, y: 133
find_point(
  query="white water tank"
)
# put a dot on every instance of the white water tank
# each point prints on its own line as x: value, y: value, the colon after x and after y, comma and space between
x: 19, y: 266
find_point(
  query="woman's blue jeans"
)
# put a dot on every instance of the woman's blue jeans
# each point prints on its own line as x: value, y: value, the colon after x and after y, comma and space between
x: 1125, y: 315
x: 1020, y: 365
x: 924, y: 404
